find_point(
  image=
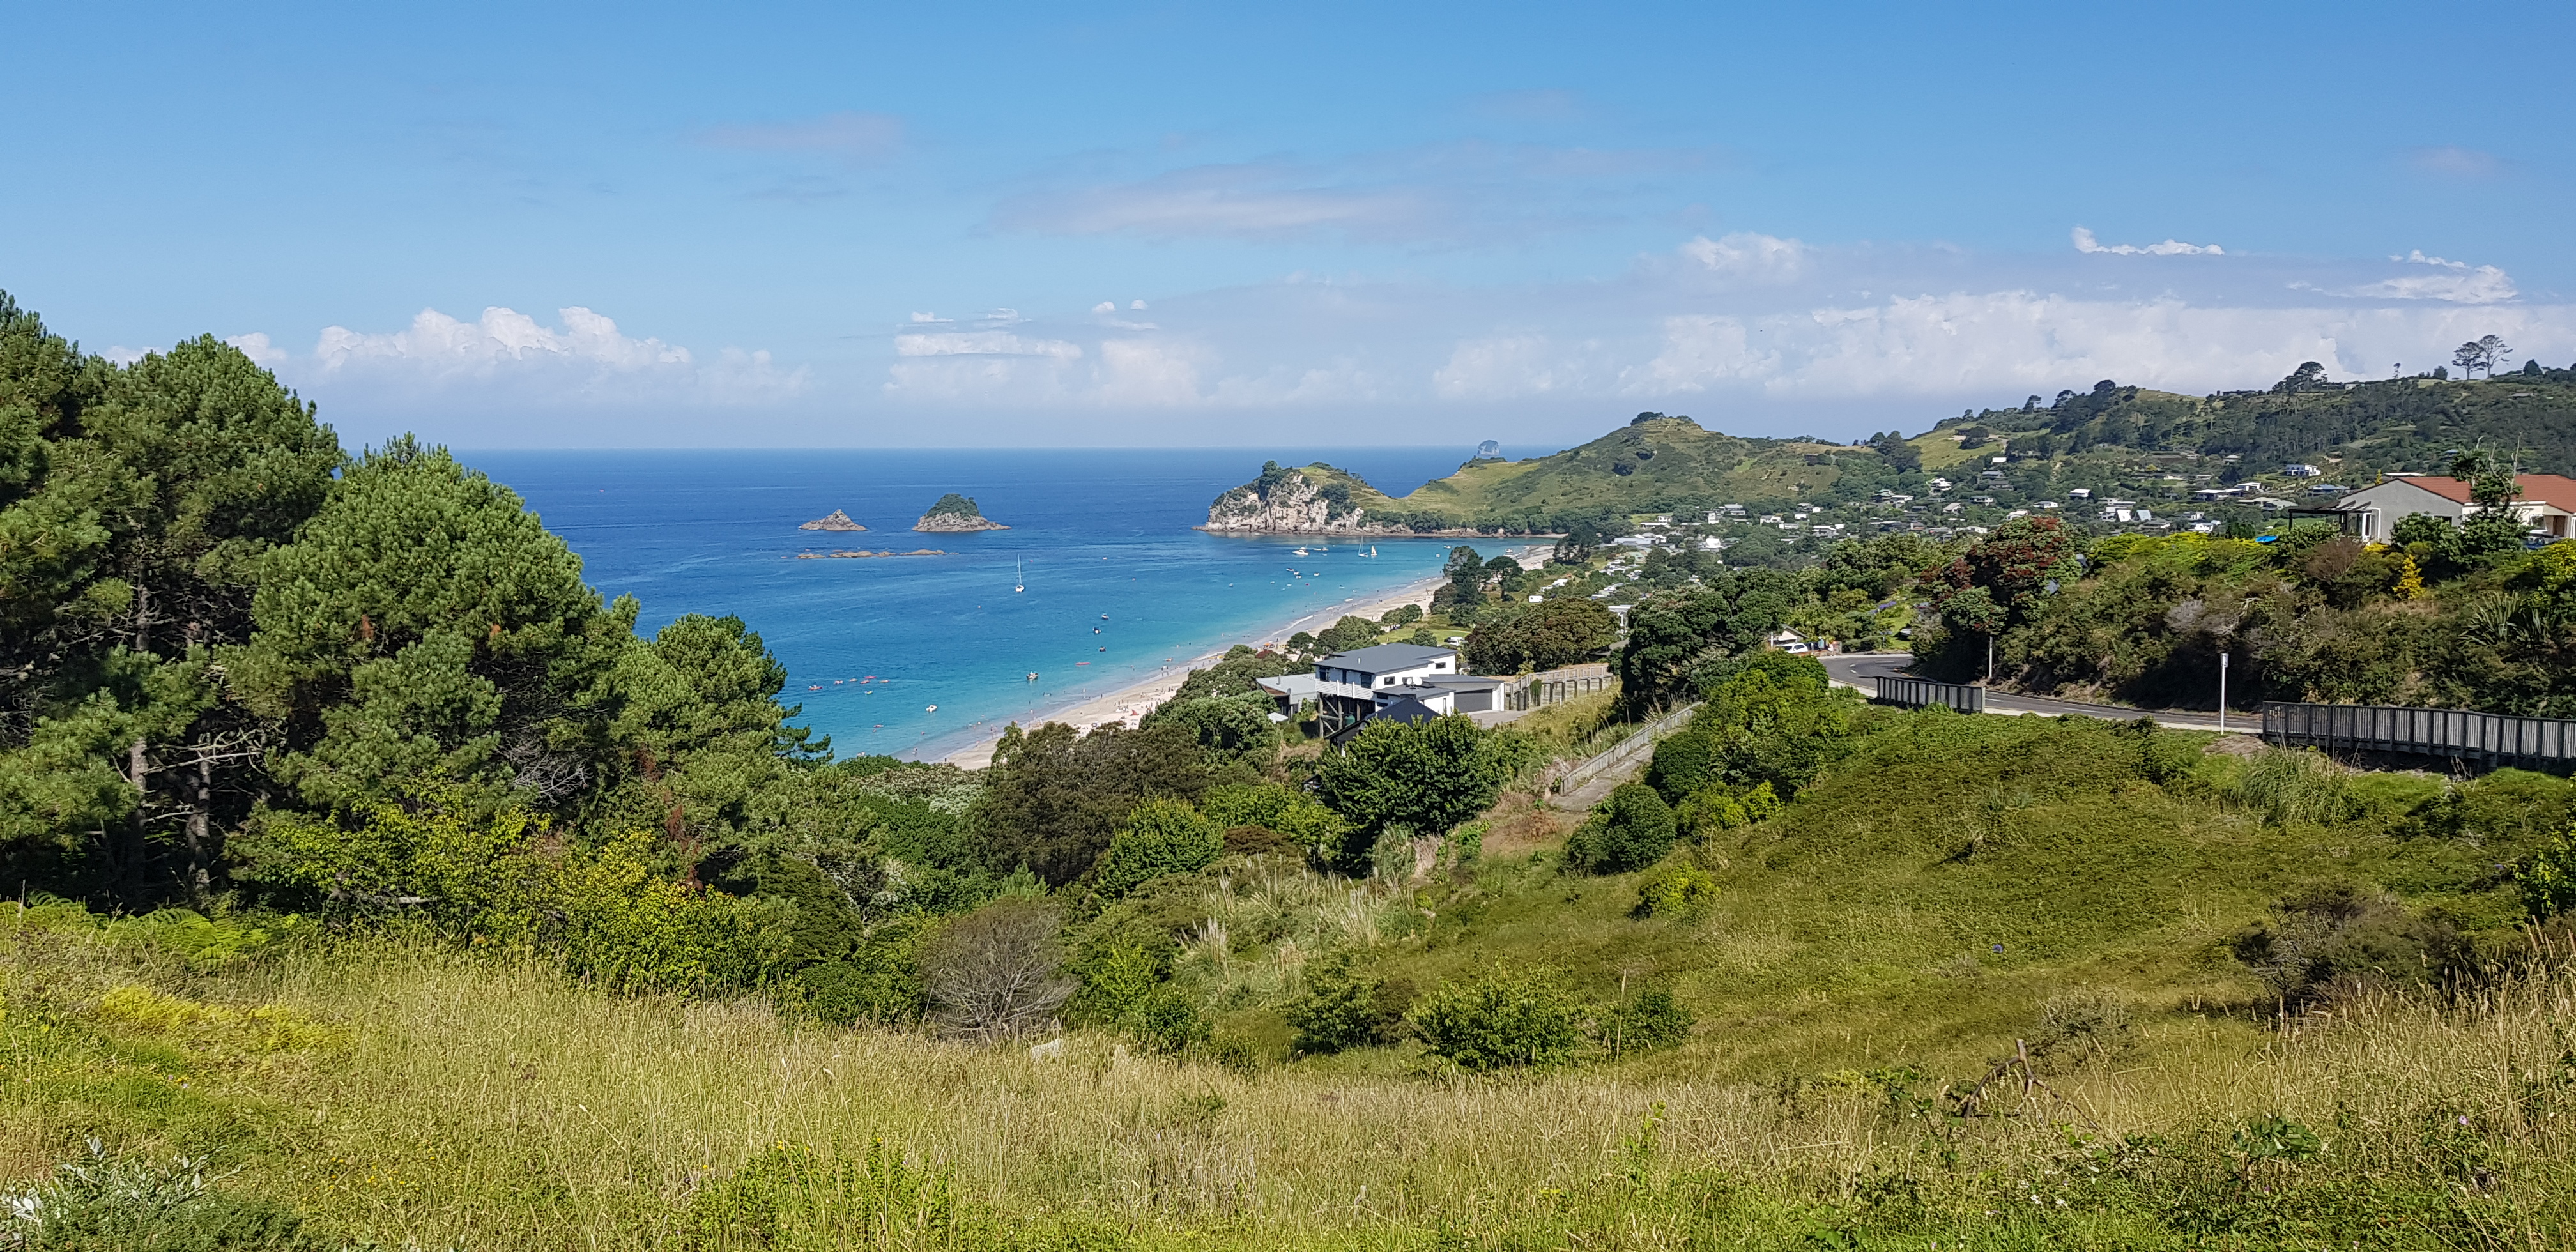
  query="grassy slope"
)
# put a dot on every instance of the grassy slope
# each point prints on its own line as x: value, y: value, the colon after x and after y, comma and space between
x: 1851, y: 933
x: 404, y: 1094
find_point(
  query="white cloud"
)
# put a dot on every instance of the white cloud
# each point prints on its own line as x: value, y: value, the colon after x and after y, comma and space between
x: 1148, y: 372
x: 123, y: 355
x: 1105, y: 306
x: 1744, y: 255
x: 261, y: 352
x: 2484, y: 284
x: 924, y: 319
x: 985, y: 343
x: 1511, y: 366
x: 2085, y: 242
x: 512, y: 356
x: 1136, y: 304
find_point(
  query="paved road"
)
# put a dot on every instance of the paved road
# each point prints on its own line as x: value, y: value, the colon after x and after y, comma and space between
x: 1855, y: 669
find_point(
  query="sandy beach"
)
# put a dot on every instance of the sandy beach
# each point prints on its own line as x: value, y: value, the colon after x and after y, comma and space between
x: 1130, y: 703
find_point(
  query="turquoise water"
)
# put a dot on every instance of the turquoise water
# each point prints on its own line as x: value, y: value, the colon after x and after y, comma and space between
x: 1119, y: 586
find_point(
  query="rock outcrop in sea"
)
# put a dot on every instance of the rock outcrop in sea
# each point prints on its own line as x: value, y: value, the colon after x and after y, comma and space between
x: 1287, y: 501
x: 955, y: 514
x: 835, y: 520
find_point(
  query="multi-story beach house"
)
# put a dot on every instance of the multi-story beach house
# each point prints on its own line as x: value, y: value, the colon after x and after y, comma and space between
x: 1404, y: 681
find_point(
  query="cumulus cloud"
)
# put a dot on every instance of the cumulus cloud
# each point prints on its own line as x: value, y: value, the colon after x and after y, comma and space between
x: 1744, y: 255
x: 2453, y: 281
x: 511, y: 355
x: 851, y: 138
x: 2087, y: 243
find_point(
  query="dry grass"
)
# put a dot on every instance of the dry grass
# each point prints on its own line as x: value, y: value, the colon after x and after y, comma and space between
x: 493, y: 1103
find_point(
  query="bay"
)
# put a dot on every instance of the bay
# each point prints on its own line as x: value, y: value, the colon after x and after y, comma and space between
x: 918, y: 656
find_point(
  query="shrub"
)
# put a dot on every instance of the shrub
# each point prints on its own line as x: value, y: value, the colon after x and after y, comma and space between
x: 1391, y: 855
x: 1681, y: 892
x: 997, y: 971
x: 1500, y: 1021
x: 1271, y: 806
x: 1161, y: 837
x: 1430, y: 776
x: 1167, y: 1020
x: 2548, y: 878
x: 1652, y: 1018
x: 2295, y: 785
x: 107, y: 1204
x: 1345, y: 1009
x: 879, y: 981
x: 2088, y: 1024
x: 1632, y: 829
x: 2335, y: 937
x: 1719, y: 808
x: 1115, y: 979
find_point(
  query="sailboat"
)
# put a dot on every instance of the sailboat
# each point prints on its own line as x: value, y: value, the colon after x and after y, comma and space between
x: 1372, y: 549
x: 1019, y: 576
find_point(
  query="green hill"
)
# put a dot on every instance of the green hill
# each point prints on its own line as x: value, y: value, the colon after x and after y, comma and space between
x: 1654, y: 464
x: 2111, y: 438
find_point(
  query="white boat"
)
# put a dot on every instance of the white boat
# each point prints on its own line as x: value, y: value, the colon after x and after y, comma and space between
x: 1019, y: 576
x: 1303, y: 552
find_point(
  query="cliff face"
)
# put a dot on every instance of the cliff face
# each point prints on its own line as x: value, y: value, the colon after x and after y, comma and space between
x: 1289, y: 501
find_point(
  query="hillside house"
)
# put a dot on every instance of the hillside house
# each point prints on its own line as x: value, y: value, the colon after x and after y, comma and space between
x: 1368, y: 684
x: 2546, y: 504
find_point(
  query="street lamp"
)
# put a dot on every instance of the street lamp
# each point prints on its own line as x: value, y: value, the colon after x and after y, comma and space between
x: 2222, y: 691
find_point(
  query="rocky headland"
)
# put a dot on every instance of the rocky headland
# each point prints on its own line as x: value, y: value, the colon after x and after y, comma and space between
x: 955, y: 514
x: 1309, y: 501
x: 835, y: 520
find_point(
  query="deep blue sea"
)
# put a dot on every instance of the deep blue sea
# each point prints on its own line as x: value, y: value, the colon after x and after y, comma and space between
x: 1119, y: 586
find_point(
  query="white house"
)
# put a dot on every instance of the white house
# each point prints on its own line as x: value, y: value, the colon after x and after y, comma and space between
x: 2544, y: 502
x: 1350, y: 688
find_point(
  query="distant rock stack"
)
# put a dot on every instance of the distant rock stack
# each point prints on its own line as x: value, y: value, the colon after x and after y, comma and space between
x: 955, y: 514
x: 836, y: 520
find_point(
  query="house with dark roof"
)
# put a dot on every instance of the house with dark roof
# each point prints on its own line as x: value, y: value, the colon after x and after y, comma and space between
x: 2545, y: 503
x: 1366, y: 684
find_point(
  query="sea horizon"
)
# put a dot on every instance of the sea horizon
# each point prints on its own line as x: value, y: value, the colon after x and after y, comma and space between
x: 919, y: 656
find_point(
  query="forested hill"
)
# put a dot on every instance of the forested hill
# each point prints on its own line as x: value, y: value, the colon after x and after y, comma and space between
x: 2415, y: 424
x: 1654, y: 464
x: 1669, y: 464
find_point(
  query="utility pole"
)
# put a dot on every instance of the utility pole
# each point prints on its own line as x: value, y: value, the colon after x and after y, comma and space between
x: 1990, y: 658
x: 2222, y: 691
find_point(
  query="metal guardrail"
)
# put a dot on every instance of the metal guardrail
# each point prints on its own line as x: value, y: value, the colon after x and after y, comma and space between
x: 2456, y: 734
x: 1626, y: 749
x: 1915, y: 693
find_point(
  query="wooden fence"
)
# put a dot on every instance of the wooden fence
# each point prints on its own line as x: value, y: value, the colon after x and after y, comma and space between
x: 1915, y: 693
x: 2452, y: 734
x: 1541, y: 691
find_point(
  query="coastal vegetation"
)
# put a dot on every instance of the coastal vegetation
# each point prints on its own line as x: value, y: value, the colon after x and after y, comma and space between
x: 381, y: 887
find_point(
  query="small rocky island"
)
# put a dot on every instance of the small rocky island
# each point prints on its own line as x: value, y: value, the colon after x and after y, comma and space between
x: 955, y: 514
x: 836, y: 520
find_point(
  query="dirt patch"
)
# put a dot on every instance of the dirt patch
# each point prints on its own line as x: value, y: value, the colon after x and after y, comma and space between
x: 2236, y: 745
x: 1518, y: 825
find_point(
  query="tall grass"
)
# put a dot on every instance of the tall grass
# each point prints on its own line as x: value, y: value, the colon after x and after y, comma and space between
x: 495, y: 1104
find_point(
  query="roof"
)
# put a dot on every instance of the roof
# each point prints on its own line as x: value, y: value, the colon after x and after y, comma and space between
x: 2558, y: 491
x: 1387, y: 656
x: 1407, y: 710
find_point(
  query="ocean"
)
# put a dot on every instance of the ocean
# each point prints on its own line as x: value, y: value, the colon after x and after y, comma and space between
x: 921, y: 656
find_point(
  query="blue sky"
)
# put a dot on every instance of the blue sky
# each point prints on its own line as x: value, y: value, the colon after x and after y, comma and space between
x: 1226, y: 224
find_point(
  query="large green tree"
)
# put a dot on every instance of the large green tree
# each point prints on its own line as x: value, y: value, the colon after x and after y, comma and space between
x: 425, y: 625
x: 137, y: 509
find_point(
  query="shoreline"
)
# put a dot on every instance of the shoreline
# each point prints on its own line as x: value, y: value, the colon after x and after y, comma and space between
x: 1129, y: 703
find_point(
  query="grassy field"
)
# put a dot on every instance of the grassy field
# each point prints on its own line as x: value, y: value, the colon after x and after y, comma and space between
x: 1873, y: 953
